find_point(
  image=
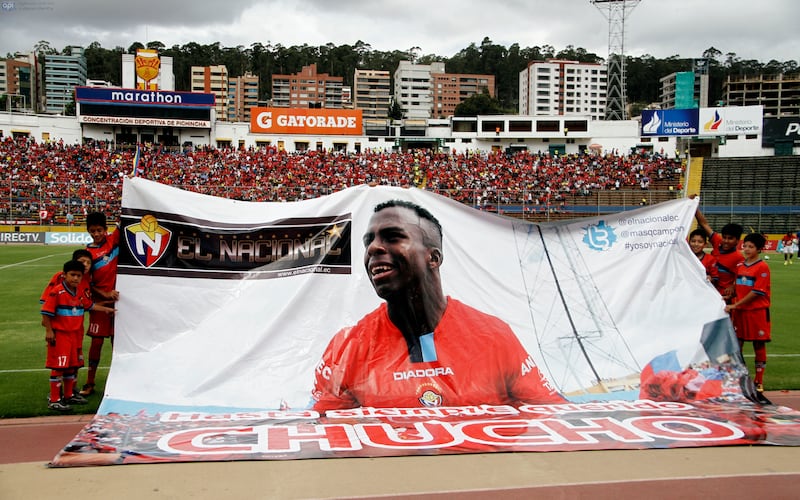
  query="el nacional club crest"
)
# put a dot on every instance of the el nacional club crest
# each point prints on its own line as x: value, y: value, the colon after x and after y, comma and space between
x: 147, y: 240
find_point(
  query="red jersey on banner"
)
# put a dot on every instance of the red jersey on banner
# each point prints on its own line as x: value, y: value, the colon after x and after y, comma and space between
x: 477, y: 359
x: 65, y: 308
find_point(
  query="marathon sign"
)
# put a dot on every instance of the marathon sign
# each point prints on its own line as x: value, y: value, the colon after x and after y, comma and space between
x: 306, y: 121
x: 158, y: 98
x: 780, y: 130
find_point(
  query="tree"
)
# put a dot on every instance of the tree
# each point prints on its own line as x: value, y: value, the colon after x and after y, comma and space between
x: 481, y: 104
x: 156, y: 45
x: 43, y: 47
x: 134, y: 47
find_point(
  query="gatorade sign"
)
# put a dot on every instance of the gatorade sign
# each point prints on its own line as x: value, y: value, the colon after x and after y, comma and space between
x: 306, y: 121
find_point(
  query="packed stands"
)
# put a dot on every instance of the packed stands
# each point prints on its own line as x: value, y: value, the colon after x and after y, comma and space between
x: 68, y: 181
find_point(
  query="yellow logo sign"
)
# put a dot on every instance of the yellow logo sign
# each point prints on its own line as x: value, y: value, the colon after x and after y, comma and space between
x: 148, y: 66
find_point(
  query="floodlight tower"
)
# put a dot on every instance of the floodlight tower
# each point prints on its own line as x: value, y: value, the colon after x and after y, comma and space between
x: 616, y: 12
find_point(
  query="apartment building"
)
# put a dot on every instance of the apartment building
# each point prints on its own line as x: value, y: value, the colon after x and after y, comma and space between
x: 17, y: 81
x: 242, y: 95
x: 450, y: 90
x: 779, y: 94
x: 413, y: 88
x: 683, y: 90
x: 372, y: 93
x: 307, y: 89
x: 214, y: 80
x: 62, y: 73
x: 563, y: 88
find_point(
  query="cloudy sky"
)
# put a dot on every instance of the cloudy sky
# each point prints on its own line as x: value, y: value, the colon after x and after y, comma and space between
x: 752, y: 30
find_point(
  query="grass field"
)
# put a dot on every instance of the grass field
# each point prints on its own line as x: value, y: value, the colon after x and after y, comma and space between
x: 25, y: 269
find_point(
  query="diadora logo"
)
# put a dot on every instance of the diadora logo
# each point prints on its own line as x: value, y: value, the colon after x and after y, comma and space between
x: 599, y: 237
x: 147, y: 240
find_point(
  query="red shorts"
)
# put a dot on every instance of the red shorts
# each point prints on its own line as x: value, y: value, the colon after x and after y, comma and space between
x: 64, y: 354
x: 752, y: 324
x: 79, y: 343
x: 100, y: 324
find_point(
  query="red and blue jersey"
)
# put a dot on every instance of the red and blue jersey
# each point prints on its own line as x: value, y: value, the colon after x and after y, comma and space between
x: 104, y: 262
x: 470, y: 358
x: 83, y: 289
x: 66, y: 307
x: 726, y: 263
x: 753, y: 277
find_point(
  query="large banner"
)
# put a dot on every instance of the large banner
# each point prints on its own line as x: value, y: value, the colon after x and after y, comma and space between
x: 260, y: 331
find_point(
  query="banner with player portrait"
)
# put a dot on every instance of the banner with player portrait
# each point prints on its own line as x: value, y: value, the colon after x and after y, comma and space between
x: 259, y: 331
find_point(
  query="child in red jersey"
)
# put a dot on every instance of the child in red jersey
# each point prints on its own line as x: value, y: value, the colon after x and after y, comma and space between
x: 750, y: 307
x: 62, y: 315
x: 84, y: 257
x: 724, y: 248
x: 697, y: 242
x: 105, y: 251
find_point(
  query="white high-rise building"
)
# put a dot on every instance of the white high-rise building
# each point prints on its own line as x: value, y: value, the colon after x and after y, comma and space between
x: 413, y: 88
x: 563, y: 88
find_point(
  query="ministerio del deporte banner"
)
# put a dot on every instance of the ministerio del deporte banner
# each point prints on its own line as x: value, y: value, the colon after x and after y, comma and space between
x: 227, y: 310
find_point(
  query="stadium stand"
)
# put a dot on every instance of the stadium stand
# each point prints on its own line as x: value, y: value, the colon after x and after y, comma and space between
x: 760, y: 193
x: 68, y: 181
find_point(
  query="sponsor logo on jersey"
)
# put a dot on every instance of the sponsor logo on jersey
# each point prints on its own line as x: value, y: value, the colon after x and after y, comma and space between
x: 431, y: 399
x: 440, y: 371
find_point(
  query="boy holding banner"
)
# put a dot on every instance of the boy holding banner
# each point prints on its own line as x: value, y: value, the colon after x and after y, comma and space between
x: 750, y: 308
x: 724, y: 248
x: 105, y: 251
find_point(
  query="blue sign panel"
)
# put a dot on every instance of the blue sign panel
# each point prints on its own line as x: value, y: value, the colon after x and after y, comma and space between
x: 164, y: 98
x: 670, y: 122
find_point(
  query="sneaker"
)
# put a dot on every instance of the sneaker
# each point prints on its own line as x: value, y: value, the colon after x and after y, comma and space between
x: 76, y: 399
x: 59, y: 406
x: 87, y: 390
x: 760, y: 387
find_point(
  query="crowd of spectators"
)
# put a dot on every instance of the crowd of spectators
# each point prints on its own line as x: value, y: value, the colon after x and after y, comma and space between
x: 69, y: 180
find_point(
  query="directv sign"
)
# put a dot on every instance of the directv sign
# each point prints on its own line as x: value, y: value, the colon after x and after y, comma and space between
x: 674, y: 122
x: 161, y: 98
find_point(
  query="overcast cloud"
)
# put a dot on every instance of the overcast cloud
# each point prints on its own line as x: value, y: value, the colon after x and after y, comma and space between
x: 661, y: 28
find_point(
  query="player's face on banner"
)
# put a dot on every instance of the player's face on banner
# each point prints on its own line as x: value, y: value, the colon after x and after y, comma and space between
x: 395, y: 256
